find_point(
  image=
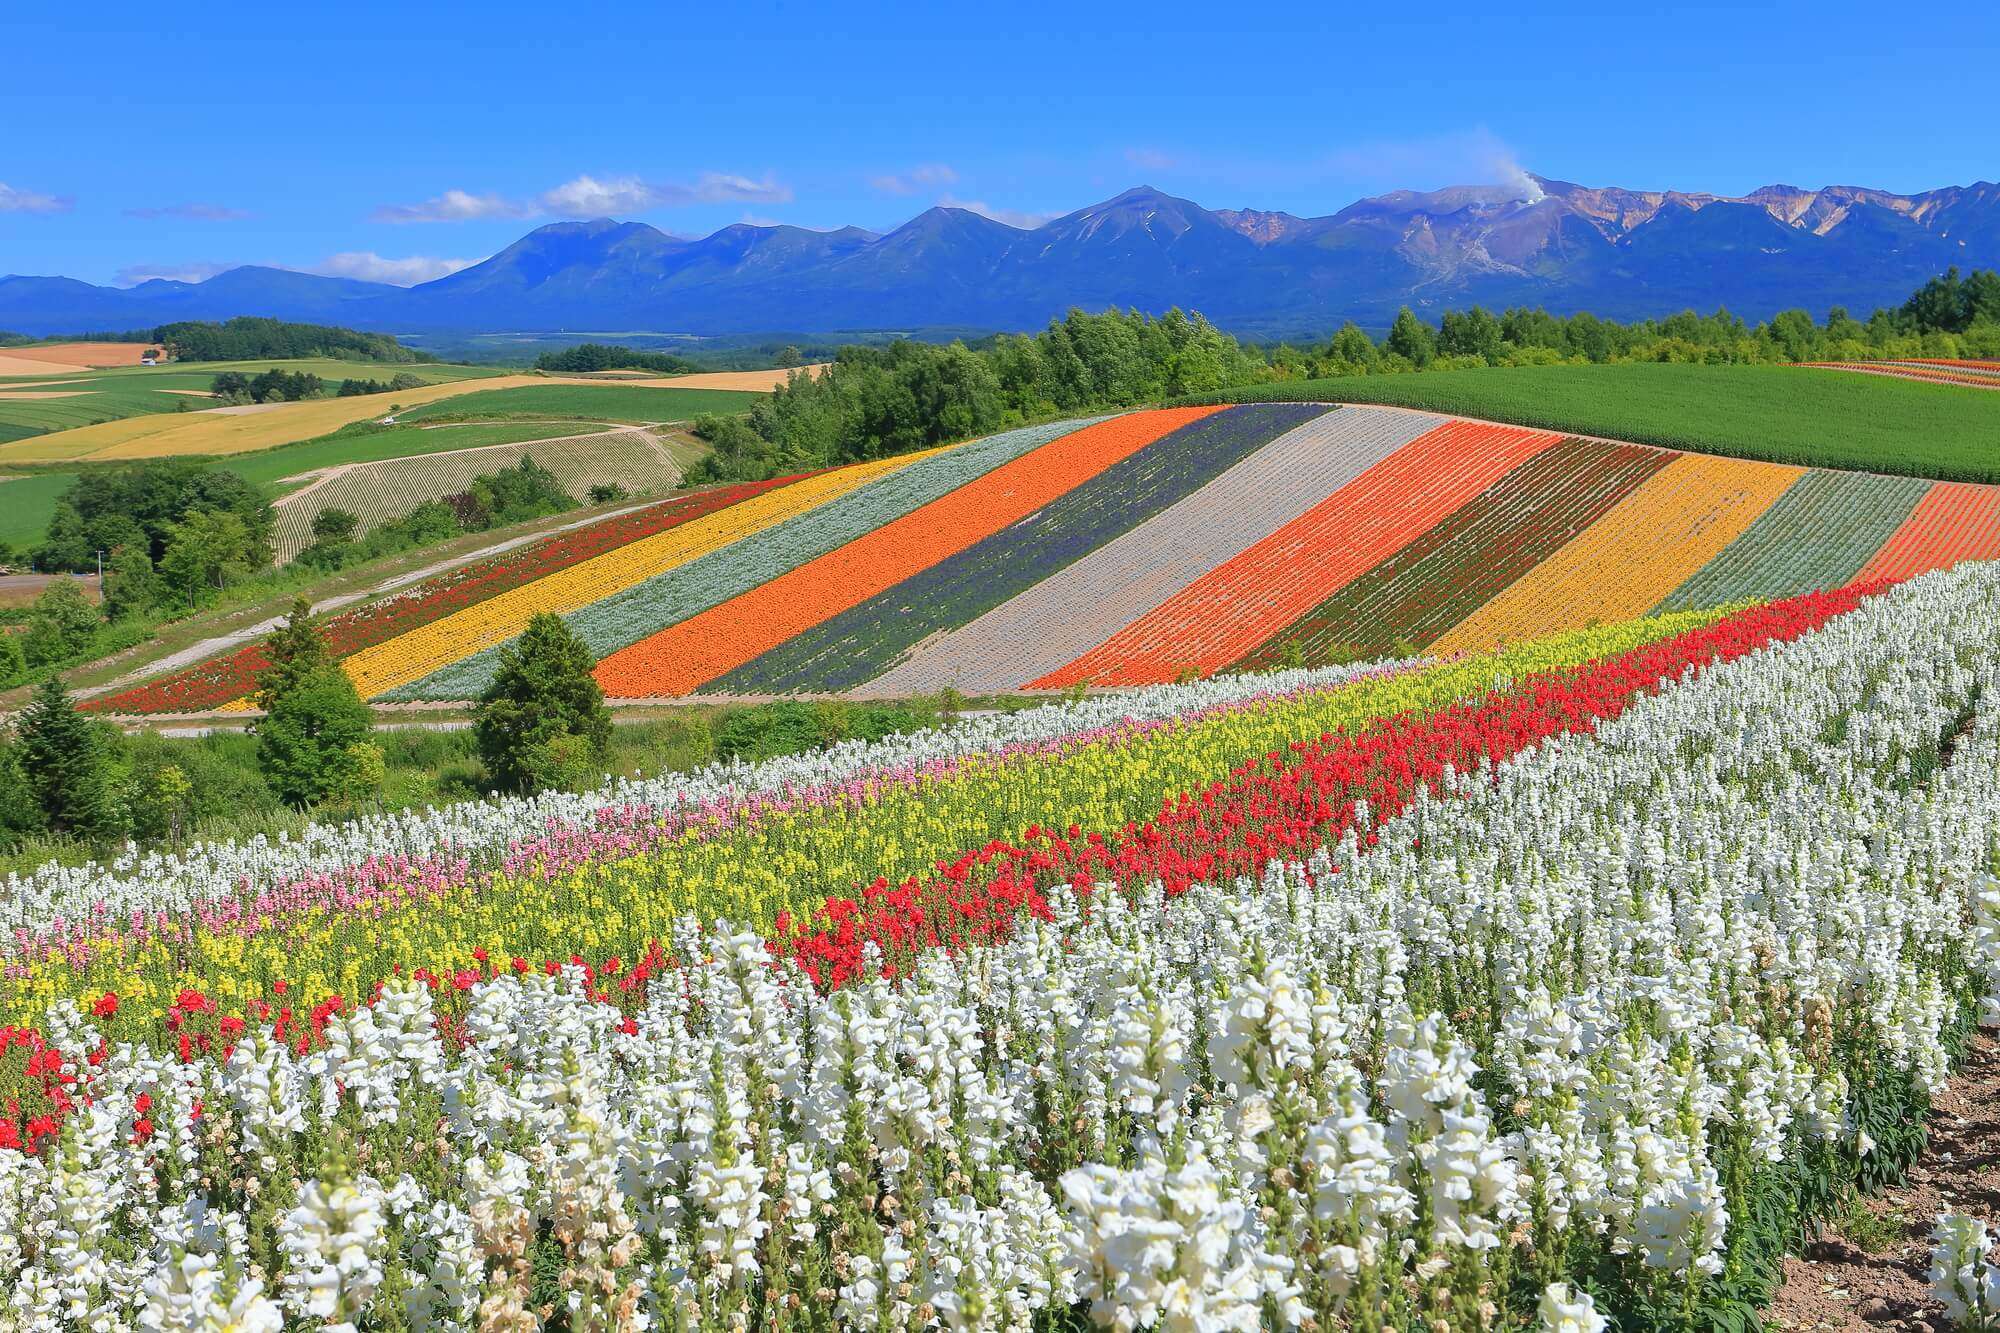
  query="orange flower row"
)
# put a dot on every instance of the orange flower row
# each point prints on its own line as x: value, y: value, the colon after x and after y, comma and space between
x: 683, y: 657
x: 1954, y: 521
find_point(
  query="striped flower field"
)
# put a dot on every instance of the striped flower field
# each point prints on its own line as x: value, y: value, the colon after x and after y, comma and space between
x: 1141, y: 549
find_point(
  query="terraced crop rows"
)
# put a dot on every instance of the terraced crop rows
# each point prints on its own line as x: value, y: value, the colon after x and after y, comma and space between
x: 1970, y: 374
x: 1954, y: 521
x: 1818, y: 535
x: 1237, y: 606
x: 1086, y: 602
x: 671, y: 597
x: 1649, y: 543
x: 684, y: 657
x: 862, y: 642
x: 1444, y: 575
x: 415, y: 655
x: 1138, y: 549
x: 379, y: 492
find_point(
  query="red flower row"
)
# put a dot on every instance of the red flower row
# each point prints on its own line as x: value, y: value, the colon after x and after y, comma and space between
x: 221, y: 680
x: 1280, y: 806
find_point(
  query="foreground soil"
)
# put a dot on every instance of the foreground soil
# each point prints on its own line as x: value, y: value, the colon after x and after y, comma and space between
x: 1872, y: 1270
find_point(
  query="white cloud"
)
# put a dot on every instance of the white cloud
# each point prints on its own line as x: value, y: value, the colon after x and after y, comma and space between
x: 590, y: 196
x: 1466, y: 157
x: 1150, y: 159
x: 134, y: 274
x: 929, y: 176
x: 190, y: 213
x: 1013, y: 217
x: 760, y: 220
x: 453, y: 206
x: 368, y: 266
x: 27, y: 201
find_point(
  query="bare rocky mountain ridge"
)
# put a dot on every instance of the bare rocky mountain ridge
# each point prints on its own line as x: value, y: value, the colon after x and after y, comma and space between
x: 1621, y: 253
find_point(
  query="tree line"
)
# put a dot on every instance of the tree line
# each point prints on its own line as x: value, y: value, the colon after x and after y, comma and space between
x: 587, y: 357
x: 253, y: 338
x: 873, y: 401
x: 1949, y: 316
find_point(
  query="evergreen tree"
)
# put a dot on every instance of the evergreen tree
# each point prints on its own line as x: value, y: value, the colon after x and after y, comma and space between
x: 65, y: 765
x: 312, y: 739
x: 543, y: 716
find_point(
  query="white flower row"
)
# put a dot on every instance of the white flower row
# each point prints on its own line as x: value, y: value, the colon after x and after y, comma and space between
x: 1558, y: 1016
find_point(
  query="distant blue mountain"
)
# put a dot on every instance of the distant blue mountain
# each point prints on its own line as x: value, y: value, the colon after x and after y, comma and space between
x: 1620, y: 253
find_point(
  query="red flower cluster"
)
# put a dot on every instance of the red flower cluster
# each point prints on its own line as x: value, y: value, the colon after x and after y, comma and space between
x: 1279, y: 806
x: 221, y: 680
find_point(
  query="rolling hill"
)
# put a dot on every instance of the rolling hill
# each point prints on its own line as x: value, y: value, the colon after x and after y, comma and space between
x: 1621, y: 253
x: 1144, y: 548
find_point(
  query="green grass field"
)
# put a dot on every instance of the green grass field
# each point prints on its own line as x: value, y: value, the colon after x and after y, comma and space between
x: 594, y: 402
x: 27, y: 503
x: 1782, y: 414
x: 369, y: 443
x: 130, y: 391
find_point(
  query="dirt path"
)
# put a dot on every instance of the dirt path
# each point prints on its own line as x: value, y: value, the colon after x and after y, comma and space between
x: 321, y: 476
x: 236, y: 638
x: 1871, y: 1270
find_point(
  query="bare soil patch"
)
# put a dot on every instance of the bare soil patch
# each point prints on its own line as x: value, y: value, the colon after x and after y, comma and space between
x: 21, y: 589
x: 1872, y: 1270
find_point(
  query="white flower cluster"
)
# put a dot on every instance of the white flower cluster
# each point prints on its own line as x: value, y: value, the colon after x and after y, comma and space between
x: 1567, y: 1009
x: 1964, y: 1278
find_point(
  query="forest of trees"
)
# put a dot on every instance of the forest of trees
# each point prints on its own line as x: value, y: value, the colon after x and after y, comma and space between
x: 1949, y: 316
x: 875, y: 401
x: 586, y: 357
x: 890, y: 399
x: 248, y: 338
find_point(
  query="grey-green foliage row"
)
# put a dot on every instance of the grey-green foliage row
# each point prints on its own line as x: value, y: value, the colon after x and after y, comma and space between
x: 669, y: 598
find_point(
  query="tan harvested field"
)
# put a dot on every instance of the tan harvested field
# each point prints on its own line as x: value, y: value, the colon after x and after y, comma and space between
x: 13, y: 384
x: 634, y: 458
x: 22, y: 395
x: 747, y: 381
x: 59, y: 358
x: 245, y: 430
x: 12, y: 365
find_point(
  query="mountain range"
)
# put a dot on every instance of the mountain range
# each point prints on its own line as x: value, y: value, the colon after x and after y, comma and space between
x: 1621, y: 253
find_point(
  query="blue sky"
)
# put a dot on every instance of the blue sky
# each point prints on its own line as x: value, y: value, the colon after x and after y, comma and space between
x: 392, y: 141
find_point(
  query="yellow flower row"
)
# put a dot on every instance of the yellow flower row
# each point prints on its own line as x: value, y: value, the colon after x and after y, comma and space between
x: 785, y: 862
x: 1626, y: 563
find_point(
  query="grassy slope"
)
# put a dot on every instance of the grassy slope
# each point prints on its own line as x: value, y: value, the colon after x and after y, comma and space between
x: 369, y: 443
x: 602, y: 400
x: 27, y: 503
x: 112, y: 395
x: 1782, y: 414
